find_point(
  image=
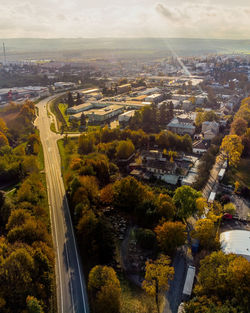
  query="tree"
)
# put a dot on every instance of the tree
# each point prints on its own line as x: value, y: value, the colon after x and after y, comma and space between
x: 239, y: 126
x: 157, y: 275
x: 86, y: 229
x: 205, y: 231
x: 146, y: 238
x: 165, y: 206
x: 85, y: 144
x: 78, y: 99
x: 3, y: 127
x: 125, y: 149
x: 163, y: 118
x: 185, y: 201
x: 236, y: 186
x: 104, y: 289
x: 106, y: 195
x: 170, y: 235
x: 83, y: 121
x: 170, y: 113
x: 246, y: 143
x: 232, y: 148
x: 221, y: 275
x: 33, y: 305
x: 70, y: 100
x: 3, y: 140
x: 128, y: 194
x: 229, y: 208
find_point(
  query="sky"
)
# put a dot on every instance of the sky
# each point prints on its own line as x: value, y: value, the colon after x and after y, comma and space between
x: 228, y: 19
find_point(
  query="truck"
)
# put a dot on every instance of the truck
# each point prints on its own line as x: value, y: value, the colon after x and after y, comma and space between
x: 188, y: 285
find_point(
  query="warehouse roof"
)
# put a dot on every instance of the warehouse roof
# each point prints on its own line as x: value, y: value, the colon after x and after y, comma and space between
x: 236, y: 241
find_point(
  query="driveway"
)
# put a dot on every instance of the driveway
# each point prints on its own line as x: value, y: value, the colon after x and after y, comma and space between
x: 174, y: 295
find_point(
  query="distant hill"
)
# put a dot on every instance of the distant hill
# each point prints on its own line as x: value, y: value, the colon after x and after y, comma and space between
x: 77, y: 48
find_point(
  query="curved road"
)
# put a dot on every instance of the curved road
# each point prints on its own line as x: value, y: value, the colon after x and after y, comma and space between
x: 71, y: 289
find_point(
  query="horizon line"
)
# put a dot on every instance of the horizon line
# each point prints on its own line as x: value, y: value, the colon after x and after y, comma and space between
x: 116, y: 37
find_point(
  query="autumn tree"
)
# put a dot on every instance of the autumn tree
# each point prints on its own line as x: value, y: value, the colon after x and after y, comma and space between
x: 78, y: 99
x: 170, y: 235
x: 3, y: 126
x: 157, y: 276
x: 185, y: 201
x: 239, y: 126
x: 163, y: 115
x: 3, y: 140
x: 33, y: 305
x: 165, y: 206
x: 125, y: 149
x: 205, y: 231
x: 106, y: 195
x: 128, y: 194
x: 221, y: 275
x: 232, y: 148
x: 246, y: 143
x: 70, y: 100
x: 104, y: 289
x: 86, y: 144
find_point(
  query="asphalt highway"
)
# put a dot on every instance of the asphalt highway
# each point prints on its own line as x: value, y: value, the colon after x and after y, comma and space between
x: 71, y: 288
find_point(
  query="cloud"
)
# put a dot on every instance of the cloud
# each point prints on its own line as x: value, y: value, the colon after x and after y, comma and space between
x: 146, y: 18
x: 160, y: 8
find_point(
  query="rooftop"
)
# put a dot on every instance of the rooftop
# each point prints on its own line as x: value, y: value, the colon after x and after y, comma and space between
x: 236, y: 241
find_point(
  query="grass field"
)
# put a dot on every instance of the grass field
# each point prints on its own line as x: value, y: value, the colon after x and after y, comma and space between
x: 63, y: 107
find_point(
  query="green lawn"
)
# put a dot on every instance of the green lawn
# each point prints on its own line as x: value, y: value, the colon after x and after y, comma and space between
x: 63, y: 107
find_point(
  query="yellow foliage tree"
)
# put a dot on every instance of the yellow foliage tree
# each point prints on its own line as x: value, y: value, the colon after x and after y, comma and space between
x: 104, y: 289
x: 157, y: 275
x: 232, y: 148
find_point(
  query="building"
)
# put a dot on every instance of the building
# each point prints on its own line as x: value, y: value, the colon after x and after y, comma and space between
x: 154, y: 98
x: 123, y: 88
x: 80, y: 108
x: 156, y: 164
x: 104, y: 114
x: 181, y: 126
x: 126, y: 116
x: 187, y: 105
x: 237, y: 242
x: 210, y: 129
x: 200, y: 147
x: 64, y: 85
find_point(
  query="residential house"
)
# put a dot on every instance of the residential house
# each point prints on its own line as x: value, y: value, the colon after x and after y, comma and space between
x: 181, y: 126
x: 210, y: 129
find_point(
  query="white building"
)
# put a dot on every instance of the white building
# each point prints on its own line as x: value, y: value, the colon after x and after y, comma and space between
x: 126, y: 116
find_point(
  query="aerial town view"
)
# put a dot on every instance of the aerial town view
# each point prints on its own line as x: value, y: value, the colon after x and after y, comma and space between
x: 125, y: 156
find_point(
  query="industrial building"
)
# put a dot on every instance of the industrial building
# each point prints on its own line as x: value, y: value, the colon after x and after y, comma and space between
x: 104, y: 114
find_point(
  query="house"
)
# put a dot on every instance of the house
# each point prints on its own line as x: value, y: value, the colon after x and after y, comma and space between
x: 210, y: 129
x: 200, y: 146
x: 181, y: 126
x: 158, y: 167
x: 187, y: 105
